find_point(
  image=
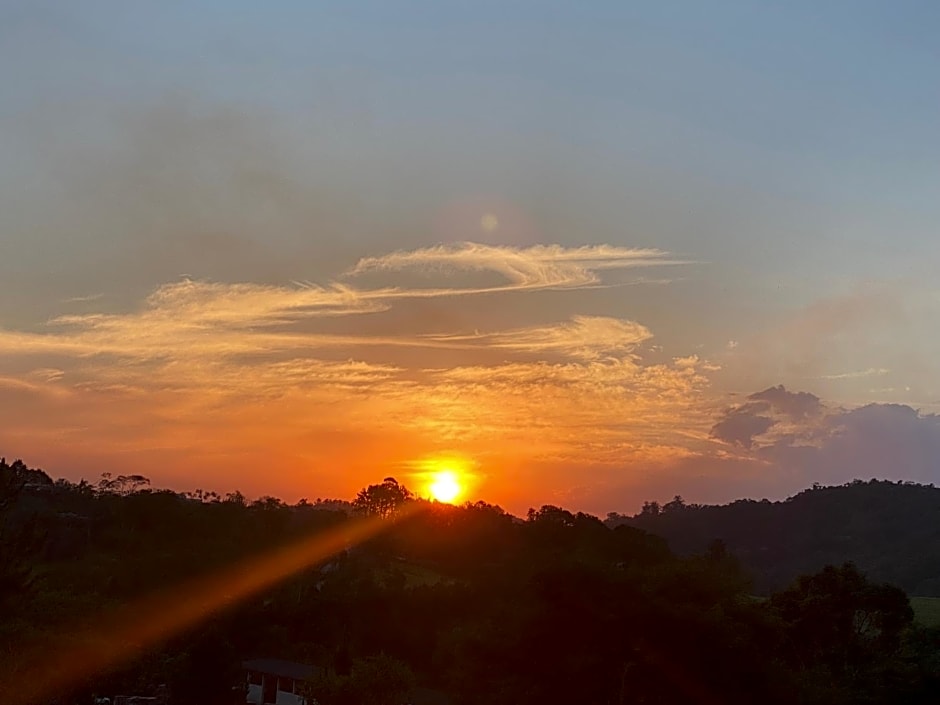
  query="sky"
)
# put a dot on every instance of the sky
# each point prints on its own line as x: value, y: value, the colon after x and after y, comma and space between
x: 586, y: 254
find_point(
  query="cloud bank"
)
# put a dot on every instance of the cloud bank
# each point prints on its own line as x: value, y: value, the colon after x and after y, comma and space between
x: 317, y: 389
x: 215, y: 374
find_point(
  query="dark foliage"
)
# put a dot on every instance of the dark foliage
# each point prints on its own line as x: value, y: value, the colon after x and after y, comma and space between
x: 890, y: 530
x: 469, y: 601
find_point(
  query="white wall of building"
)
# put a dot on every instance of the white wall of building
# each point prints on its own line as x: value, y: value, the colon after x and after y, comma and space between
x: 255, y: 693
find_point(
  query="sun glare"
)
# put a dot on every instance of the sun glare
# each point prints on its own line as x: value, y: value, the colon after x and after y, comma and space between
x: 444, y: 486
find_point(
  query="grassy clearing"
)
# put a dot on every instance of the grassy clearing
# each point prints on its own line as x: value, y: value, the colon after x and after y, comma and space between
x: 416, y: 575
x: 413, y: 574
x: 926, y: 610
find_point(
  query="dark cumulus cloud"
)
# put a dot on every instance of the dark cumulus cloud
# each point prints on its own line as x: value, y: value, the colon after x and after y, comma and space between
x: 796, y: 405
x: 878, y: 440
x: 741, y: 426
x: 796, y: 434
x: 762, y: 411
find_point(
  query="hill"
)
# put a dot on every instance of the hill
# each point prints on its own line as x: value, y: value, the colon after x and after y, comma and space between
x: 117, y: 587
x: 890, y: 530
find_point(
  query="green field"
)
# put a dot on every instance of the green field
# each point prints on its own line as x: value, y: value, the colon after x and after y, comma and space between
x: 412, y: 574
x: 926, y: 610
x: 416, y: 575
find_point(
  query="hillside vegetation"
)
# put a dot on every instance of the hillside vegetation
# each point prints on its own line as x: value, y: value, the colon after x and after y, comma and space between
x: 890, y: 530
x: 467, y: 601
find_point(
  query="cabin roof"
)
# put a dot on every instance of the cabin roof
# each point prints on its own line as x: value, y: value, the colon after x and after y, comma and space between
x: 426, y: 696
x: 283, y: 669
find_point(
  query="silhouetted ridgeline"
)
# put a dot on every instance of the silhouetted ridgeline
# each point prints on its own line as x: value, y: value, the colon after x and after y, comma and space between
x: 890, y: 530
x: 443, y: 605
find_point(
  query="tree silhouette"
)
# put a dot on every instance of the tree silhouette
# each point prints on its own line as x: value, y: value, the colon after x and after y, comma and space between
x: 21, y: 538
x: 469, y: 600
x: 384, y: 499
x: 840, y: 619
x: 122, y: 484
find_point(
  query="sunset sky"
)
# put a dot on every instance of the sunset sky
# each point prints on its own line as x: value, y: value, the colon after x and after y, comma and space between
x: 569, y: 249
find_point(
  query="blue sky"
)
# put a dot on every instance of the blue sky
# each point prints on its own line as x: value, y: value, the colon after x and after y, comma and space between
x: 787, y: 153
x: 818, y: 122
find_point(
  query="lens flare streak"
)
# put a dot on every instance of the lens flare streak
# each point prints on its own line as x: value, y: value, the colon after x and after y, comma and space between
x: 117, y: 636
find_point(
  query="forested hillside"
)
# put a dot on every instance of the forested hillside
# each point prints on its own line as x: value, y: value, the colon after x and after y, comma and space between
x: 468, y: 601
x: 890, y: 530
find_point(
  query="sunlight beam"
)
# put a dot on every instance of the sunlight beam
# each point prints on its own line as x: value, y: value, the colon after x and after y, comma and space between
x: 117, y: 636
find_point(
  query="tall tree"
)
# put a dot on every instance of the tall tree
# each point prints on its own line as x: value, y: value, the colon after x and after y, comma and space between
x: 837, y: 618
x: 20, y: 536
x: 384, y: 499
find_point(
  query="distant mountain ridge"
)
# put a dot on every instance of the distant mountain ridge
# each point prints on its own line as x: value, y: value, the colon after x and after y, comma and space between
x: 890, y: 530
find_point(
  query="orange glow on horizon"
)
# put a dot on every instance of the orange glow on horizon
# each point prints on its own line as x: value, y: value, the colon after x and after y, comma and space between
x: 446, y: 487
x: 201, y: 384
x: 445, y: 479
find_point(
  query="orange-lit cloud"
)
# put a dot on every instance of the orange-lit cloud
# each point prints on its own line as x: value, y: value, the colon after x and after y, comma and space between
x: 585, y: 337
x: 204, y: 378
x: 314, y: 390
x: 537, y: 267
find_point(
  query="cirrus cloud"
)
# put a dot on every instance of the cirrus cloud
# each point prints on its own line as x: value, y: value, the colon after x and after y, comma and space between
x: 537, y: 267
x: 585, y: 337
x: 209, y: 374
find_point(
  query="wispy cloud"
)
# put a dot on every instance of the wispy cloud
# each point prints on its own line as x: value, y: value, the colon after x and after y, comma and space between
x: 212, y: 373
x: 195, y: 318
x: 82, y: 299
x: 585, y: 337
x: 598, y: 411
x: 198, y: 317
x: 858, y: 374
x: 538, y: 267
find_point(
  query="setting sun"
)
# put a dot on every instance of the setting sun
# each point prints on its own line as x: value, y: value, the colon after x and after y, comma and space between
x: 444, y: 486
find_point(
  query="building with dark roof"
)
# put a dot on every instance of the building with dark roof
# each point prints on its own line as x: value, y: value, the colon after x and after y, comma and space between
x: 274, y: 681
